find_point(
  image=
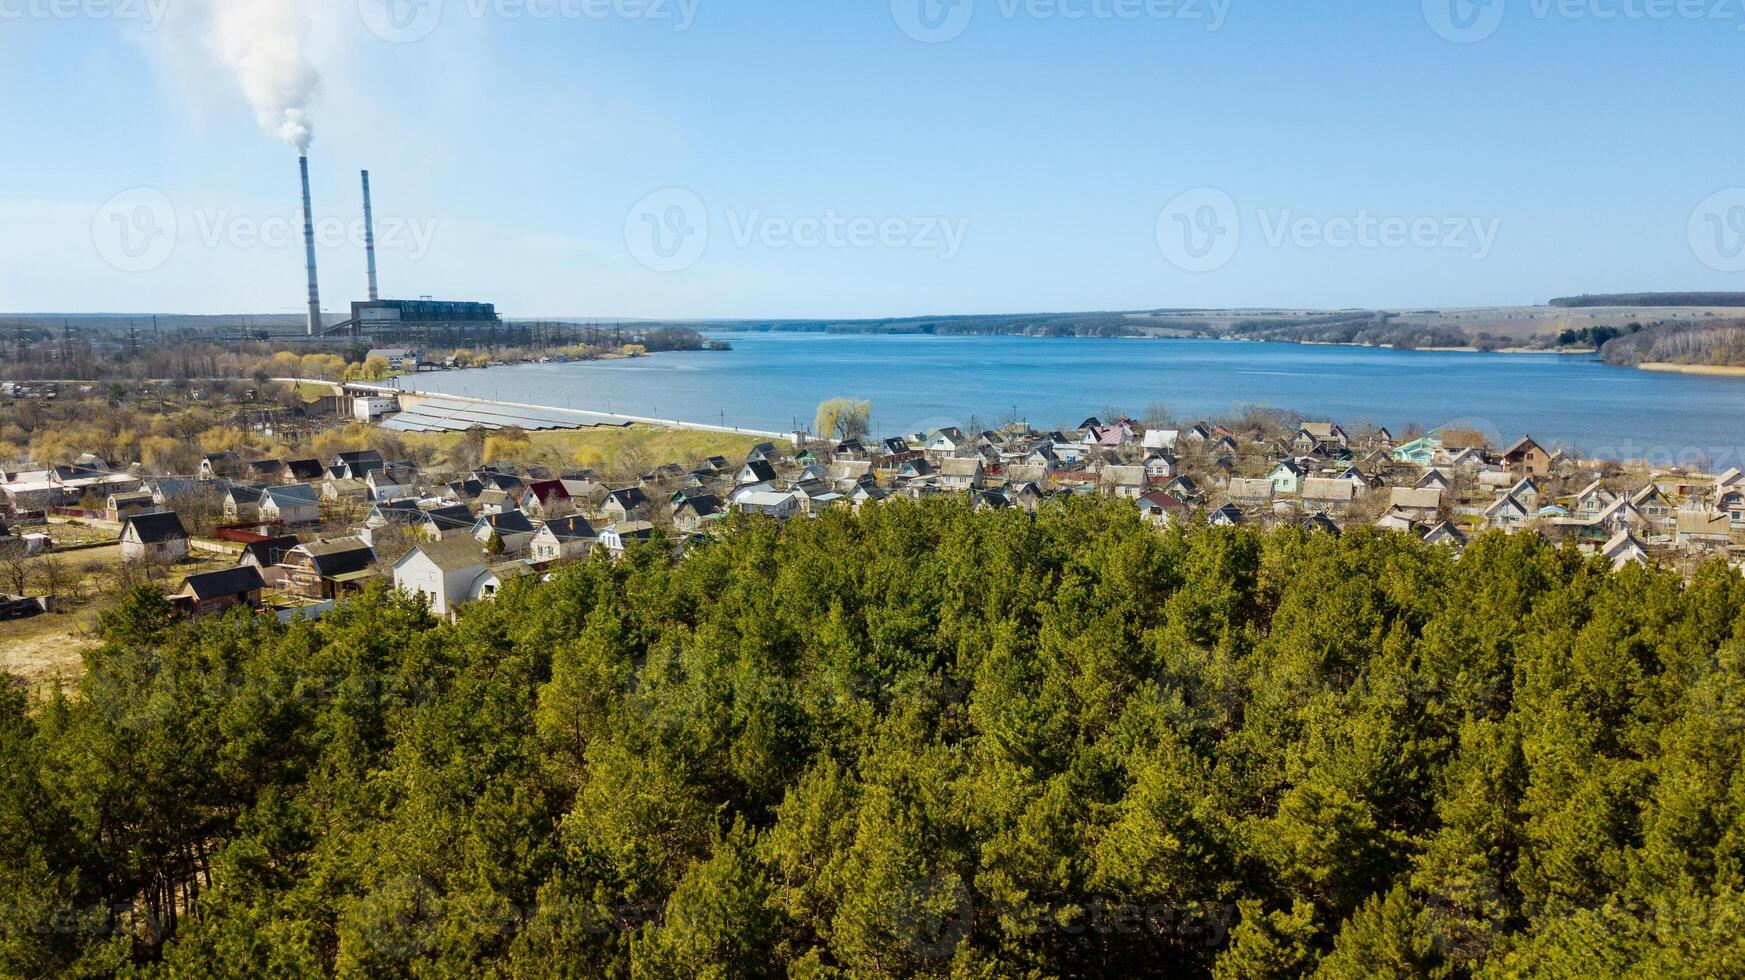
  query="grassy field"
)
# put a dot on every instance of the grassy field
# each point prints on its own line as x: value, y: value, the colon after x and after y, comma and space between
x: 601, y: 447
x: 44, y: 650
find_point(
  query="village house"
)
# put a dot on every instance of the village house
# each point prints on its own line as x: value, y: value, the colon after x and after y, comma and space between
x: 848, y: 471
x: 443, y: 572
x: 265, y: 556
x: 1703, y: 530
x: 1654, y: 507
x: 1161, y: 508
x: 1228, y: 515
x: 356, y: 465
x: 263, y: 470
x: 1472, y: 459
x: 511, y: 529
x: 916, y: 469
x: 692, y: 511
x: 242, y: 502
x: 291, y: 504
x: 1507, y: 513
x: 507, y: 484
x: 989, y: 500
x: 1313, y: 436
x: 1162, y: 466
x: 120, y: 506
x: 628, y: 504
x: 946, y: 442
x: 1250, y: 492
x: 546, y: 499
x: 1732, y: 503
x: 327, y: 569
x: 157, y: 539
x: 1416, y: 504
x: 216, y: 592
x: 769, y: 503
x: 562, y: 539
x: 961, y: 473
x: 1328, y: 494
x: 1418, y: 452
x: 439, y: 522
x: 217, y: 466
x: 391, y: 480
x: 1527, y: 492
x: 1624, y: 549
x: 494, y: 578
x: 165, y: 490
x: 864, y: 494
x: 894, y: 452
x: 494, y: 501
x: 1622, y: 515
x: 622, y: 535
x: 756, y: 471
x: 1125, y: 482
x: 1164, y: 439
x: 1447, y: 535
x: 1287, y: 478
x: 468, y: 489
x: 340, y: 489
x: 1360, y: 481
x: 1184, y: 488
x: 1395, y: 519
x: 1527, y: 458
x: 1025, y: 495
x: 1593, y: 501
x: 302, y: 471
x: 403, y: 513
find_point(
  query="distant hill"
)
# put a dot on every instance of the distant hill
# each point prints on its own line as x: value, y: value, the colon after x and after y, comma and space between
x: 1095, y: 324
x: 1652, y: 299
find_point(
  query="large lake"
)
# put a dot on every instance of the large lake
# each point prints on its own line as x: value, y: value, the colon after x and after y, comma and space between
x: 770, y: 381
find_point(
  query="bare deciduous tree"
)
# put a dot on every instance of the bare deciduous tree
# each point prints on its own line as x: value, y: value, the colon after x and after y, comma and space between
x: 14, y: 566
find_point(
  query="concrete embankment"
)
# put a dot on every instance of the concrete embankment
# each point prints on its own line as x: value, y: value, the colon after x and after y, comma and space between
x: 412, y: 400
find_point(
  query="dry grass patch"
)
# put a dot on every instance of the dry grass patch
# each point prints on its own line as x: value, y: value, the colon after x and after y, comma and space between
x: 633, y: 447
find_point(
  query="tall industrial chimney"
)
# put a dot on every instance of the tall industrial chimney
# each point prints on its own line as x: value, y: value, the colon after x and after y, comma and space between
x: 309, y: 247
x: 370, y: 237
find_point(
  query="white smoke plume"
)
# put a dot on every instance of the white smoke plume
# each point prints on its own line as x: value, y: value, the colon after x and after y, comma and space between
x: 266, y: 44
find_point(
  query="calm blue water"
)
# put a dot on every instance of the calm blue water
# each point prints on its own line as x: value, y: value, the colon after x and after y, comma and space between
x: 768, y: 381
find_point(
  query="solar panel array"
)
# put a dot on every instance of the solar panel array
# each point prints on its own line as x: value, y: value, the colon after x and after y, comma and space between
x: 456, y: 415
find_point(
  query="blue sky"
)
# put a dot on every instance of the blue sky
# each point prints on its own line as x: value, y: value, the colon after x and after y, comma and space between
x: 1030, y: 162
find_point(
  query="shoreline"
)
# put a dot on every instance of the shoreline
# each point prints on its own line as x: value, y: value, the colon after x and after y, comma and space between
x: 1701, y: 370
